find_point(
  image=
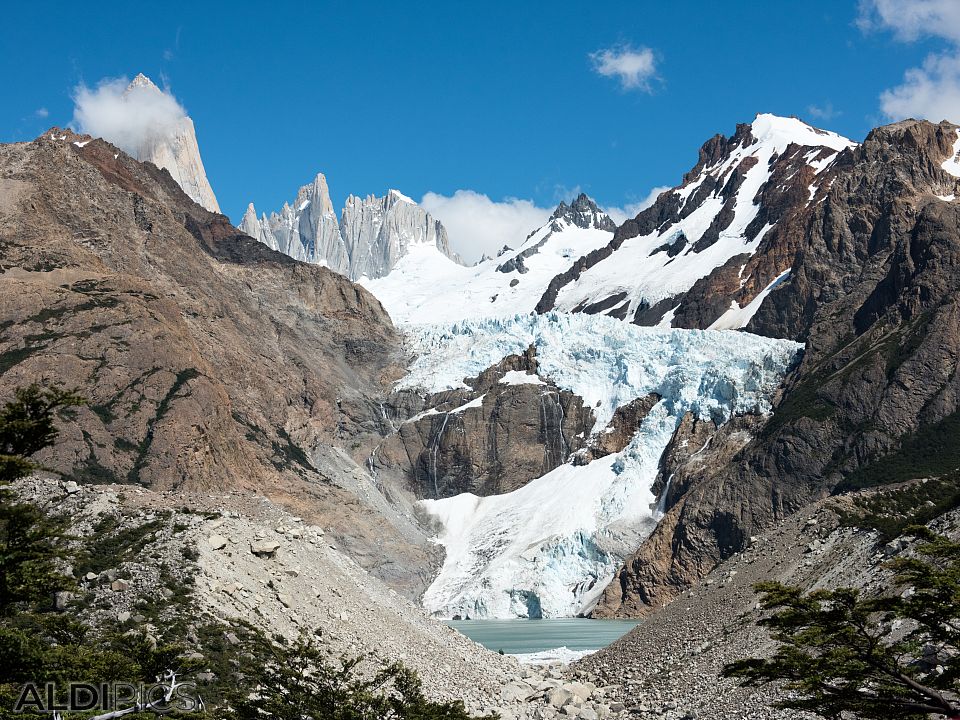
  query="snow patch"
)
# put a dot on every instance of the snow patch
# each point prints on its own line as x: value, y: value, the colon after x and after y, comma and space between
x: 737, y: 317
x: 952, y: 163
x: 518, y: 377
x: 426, y: 286
x: 401, y: 197
x: 563, y: 655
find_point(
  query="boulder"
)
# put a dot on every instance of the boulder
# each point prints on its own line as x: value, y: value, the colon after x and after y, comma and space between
x: 264, y: 548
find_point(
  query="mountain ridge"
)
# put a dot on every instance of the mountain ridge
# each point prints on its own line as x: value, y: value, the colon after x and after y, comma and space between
x: 371, y: 236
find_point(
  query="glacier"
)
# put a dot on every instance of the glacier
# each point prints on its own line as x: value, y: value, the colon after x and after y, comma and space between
x: 549, y: 548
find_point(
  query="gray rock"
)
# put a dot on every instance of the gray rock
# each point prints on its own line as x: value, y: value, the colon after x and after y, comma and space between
x: 264, y: 548
x: 558, y: 697
x: 61, y: 599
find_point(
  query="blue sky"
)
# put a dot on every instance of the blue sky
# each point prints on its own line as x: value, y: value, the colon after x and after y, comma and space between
x: 501, y: 98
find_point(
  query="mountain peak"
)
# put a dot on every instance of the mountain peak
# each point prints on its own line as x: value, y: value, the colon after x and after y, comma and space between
x: 399, y: 196
x: 142, y: 81
x: 584, y: 213
x: 780, y: 130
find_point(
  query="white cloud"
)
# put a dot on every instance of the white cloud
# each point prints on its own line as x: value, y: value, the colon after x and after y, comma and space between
x: 126, y: 117
x: 41, y: 112
x: 823, y: 112
x: 912, y: 19
x: 477, y: 225
x: 933, y: 90
x: 630, y: 210
x: 634, y: 68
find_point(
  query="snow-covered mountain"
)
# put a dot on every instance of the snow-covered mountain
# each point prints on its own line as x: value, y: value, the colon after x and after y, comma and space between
x: 175, y: 149
x: 372, y: 236
x: 705, y: 254
x: 708, y: 251
x: 426, y: 286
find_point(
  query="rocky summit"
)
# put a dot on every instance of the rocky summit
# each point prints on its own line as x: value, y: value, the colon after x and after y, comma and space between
x: 373, y: 233
x: 173, y: 148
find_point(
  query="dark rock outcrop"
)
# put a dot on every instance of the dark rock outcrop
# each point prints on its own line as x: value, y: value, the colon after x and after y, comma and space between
x: 490, y: 439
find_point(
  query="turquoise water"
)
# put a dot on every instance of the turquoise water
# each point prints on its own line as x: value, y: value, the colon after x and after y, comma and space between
x: 534, y: 636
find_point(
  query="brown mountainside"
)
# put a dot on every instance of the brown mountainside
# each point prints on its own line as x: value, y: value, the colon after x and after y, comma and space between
x: 209, y: 362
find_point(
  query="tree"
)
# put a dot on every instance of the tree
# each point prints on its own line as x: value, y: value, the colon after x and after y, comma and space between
x: 300, y: 682
x: 27, y: 427
x: 842, y: 654
x: 31, y: 542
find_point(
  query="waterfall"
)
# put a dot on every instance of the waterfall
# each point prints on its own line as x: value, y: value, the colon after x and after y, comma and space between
x: 433, y: 455
x: 563, y: 441
x: 386, y: 417
x: 662, y: 502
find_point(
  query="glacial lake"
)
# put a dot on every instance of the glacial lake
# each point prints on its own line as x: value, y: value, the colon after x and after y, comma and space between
x: 563, y: 639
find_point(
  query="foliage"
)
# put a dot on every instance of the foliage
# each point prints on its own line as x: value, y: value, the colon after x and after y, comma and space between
x: 30, y: 540
x: 299, y: 682
x: 27, y: 426
x: 895, y: 656
x: 934, y: 449
x: 891, y: 510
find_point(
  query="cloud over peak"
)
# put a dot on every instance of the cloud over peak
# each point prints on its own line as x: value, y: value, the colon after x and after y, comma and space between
x: 478, y: 225
x: 129, y: 116
x: 634, y: 68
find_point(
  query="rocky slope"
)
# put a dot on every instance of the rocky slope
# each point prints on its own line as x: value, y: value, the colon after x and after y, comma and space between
x: 372, y: 236
x: 669, y: 666
x: 209, y: 362
x: 235, y: 558
x: 873, y: 291
x: 174, y: 149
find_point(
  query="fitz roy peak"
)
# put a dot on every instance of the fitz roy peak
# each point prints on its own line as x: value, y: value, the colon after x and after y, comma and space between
x: 174, y: 149
x: 372, y: 236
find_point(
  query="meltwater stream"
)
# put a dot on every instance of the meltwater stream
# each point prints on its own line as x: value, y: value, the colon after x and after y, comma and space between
x: 544, y: 641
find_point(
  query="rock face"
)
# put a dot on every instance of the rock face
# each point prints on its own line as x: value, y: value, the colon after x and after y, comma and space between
x: 875, y: 293
x: 175, y: 150
x: 371, y: 237
x: 209, y: 362
x: 379, y: 231
x: 308, y: 230
x: 583, y: 213
x: 507, y: 429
